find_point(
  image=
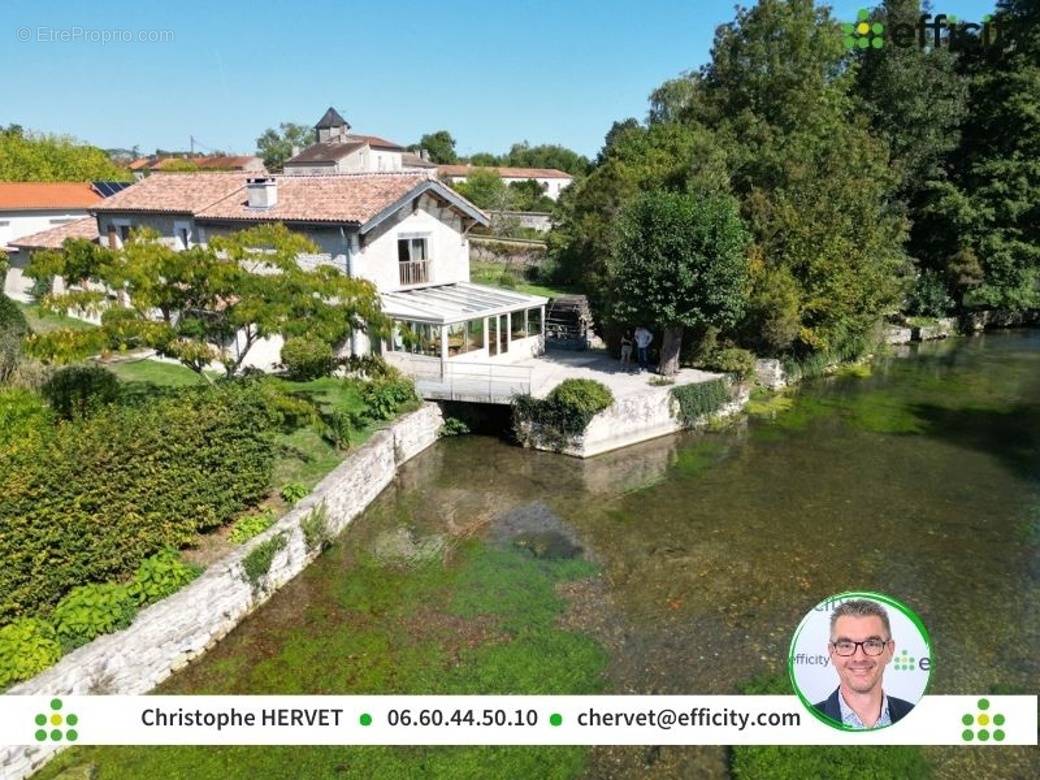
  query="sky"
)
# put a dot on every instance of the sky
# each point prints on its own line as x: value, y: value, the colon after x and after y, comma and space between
x: 119, y: 74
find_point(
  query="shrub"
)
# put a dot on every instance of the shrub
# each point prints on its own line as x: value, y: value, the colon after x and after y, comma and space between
x: 293, y: 492
x: 315, y: 527
x: 11, y: 317
x: 27, y: 647
x: 384, y: 397
x: 305, y: 357
x: 699, y: 399
x: 731, y: 360
x: 564, y: 413
x: 77, y: 390
x: 87, y: 501
x: 258, y: 562
x: 370, y: 366
x: 339, y: 425
x: 91, y: 610
x: 929, y: 297
x: 160, y: 576
x: 248, y: 526
x: 453, y: 426
x: 21, y: 414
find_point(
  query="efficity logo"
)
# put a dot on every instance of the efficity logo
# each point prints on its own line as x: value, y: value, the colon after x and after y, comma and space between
x: 929, y: 31
x: 49, y: 726
x: 977, y: 725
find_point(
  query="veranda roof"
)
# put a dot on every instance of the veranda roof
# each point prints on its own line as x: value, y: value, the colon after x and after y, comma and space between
x: 448, y: 303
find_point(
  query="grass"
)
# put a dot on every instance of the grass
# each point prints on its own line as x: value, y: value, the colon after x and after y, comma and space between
x: 494, y: 274
x: 43, y: 322
x: 154, y: 372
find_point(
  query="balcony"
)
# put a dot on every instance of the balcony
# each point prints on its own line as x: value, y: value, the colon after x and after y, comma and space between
x: 414, y: 272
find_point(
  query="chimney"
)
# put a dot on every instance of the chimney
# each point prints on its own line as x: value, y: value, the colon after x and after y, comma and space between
x: 262, y: 192
x: 424, y: 154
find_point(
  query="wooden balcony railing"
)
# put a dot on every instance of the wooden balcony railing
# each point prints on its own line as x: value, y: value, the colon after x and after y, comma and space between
x: 415, y: 272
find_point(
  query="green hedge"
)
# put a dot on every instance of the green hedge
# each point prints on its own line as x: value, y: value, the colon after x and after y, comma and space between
x: 564, y: 413
x: 699, y: 399
x: 88, y: 500
x: 305, y: 358
x: 76, y: 391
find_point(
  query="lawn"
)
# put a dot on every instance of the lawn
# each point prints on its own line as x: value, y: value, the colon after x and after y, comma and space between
x: 496, y: 275
x: 42, y: 322
x: 307, y: 456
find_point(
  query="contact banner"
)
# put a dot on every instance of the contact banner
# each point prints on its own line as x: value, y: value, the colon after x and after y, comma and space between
x: 976, y: 721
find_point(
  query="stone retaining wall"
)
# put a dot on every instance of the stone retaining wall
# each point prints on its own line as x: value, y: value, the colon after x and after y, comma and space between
x: 636, y: 418
x: 167, y: 636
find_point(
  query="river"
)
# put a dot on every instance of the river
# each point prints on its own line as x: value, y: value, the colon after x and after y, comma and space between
x: 678, y: 566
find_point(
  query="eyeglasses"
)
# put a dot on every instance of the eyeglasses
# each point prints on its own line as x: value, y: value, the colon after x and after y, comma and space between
x: 846, y: 647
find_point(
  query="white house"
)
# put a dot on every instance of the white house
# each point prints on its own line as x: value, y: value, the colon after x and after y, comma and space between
x: 337, y: 150
x: 28, y: 208
x: 552, y: 181
x: 404, y: 231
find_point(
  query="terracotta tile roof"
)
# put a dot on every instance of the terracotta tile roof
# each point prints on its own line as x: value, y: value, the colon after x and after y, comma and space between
x: 55, y: 236
x: 325, y: 152
x: 415, y: 161
x: 348, y: 197
x: 504, y: 172
x: 19, y: 195
x: 216, y: 162
x: 374, y: 141
x: 182, y: 193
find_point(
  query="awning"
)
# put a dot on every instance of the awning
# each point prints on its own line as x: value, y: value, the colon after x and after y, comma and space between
x: 447, y: 303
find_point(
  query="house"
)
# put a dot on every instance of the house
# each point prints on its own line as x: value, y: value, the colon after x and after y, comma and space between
x: 337, y: 150
x: 27, y: 208
x: 552, y: 181
x: 143, y: 166
x: 405, y: 231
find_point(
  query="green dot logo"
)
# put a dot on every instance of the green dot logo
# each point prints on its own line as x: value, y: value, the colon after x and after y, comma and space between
x: 904, y: 662
x: 56, y: 720
x: 863, y: 34
x: 981, y: 726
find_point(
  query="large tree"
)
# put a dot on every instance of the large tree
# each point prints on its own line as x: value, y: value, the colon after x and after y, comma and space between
x: 989, y: 210
x: 205, y: 305
x: 277, y: 146
x: 440, y: 145
x: 680, y: 261
x: 27, y: 156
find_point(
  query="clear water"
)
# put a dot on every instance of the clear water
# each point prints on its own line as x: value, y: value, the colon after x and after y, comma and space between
x: 921, y: 480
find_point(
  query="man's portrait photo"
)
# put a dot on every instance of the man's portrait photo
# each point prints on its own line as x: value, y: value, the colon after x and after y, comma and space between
x: 860, y: 660
x: 860, y: 647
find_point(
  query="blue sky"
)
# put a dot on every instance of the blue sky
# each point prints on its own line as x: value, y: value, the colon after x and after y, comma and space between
x: 491, y: 73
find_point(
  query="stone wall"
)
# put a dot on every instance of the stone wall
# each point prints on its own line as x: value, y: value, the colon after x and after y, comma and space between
x: 636, y: 418
x: 167, y: 636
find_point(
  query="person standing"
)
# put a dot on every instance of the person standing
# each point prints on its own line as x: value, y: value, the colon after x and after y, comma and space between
x: 626, y: 348
x: 643, y: 340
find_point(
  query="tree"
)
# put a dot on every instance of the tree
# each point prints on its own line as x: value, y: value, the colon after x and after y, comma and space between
x: 205, y: 304
x: 523, y: 155
x: 277, y: 146
x: 440, y: 145
x: 485, y: 189
x: 679, y: 262
x: 27, y: 156
x: 528, y: 195
x: 616, y: 130
x: 990, y: 207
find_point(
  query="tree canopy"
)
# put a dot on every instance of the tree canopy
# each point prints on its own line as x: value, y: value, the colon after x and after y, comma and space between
x: 440, y: 145
x: 28, y: 156
x: 679, y: 261
x: 276, y: 146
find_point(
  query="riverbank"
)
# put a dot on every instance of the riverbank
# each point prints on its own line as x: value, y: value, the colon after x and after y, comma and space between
x: 167, y: 636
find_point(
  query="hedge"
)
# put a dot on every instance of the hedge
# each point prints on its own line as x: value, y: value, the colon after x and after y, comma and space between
x: 699, y: 399
x: 86, y: 501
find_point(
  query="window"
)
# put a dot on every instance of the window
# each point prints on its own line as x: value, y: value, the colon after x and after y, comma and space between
x: 124, y: 233
x: 475, y: 334
x: 456, y: 338
x: 418, y: 338
x: 412, y: 260
x: 534, y: 322
x: 517, y: 329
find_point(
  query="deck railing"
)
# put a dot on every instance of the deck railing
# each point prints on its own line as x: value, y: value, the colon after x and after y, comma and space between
x: 414, y: 272
x: 455, y: 380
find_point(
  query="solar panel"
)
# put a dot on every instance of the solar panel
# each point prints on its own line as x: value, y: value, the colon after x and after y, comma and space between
x: 108, y: 188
